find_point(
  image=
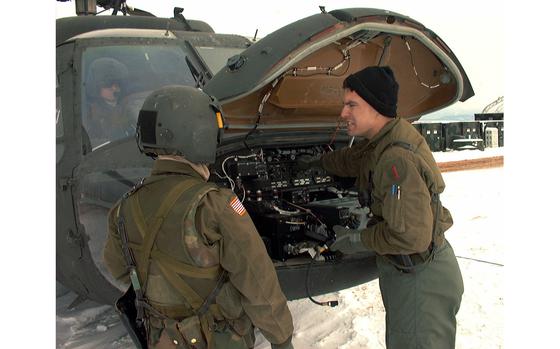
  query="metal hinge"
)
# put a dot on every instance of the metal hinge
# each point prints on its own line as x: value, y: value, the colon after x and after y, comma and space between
x: 75, y: 239
x: 66, y: 182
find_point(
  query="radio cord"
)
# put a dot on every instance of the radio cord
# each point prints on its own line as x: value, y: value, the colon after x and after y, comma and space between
x: 327, y: 303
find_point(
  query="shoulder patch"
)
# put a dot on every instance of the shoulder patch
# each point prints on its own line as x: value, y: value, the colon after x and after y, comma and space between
x: 237, y: 206
x: 395, y: 172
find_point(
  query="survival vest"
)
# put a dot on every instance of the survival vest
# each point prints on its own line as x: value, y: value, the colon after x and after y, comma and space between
x: 154, y: 235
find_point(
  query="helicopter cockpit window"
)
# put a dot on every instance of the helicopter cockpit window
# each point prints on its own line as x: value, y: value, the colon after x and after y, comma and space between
x: 117, y: 79
x: 216, y: 57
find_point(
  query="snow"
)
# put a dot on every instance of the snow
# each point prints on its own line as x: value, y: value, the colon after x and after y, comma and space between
x: 475, y: 198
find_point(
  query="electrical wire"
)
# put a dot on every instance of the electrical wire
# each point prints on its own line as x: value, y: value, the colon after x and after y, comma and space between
x: 386, y: 44
x: 414, y: 67
x: 481, y: 261
x: 259, y: 111
x: 230, y: 180
x: 325, y: 70
x: 327, y: 303
x: 333, y: 137
x: 217, y: 174
x: 243, y: 188
x: 306, y: 210
x: 328, y: 70
x: 284, y: 212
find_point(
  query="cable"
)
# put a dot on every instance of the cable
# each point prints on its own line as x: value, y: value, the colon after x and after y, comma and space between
x: 259, y: 112
x: 333, y: 137
x: 284, y: 212
x: 327, y: 303
x: 386, y: 44
x: 217, y: 174
x: 481, y: 261
x: 306, y: 210
x: 414, y: 67
x: 243, y: 187
x: 230, y: 180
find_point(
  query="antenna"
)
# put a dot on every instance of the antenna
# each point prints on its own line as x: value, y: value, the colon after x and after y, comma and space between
x: 255, y: 37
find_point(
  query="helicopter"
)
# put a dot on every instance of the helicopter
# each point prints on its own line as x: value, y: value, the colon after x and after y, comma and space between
x: 281, y: 99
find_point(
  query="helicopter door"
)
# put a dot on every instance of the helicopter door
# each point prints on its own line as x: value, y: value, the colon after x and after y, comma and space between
x: 115, y: 80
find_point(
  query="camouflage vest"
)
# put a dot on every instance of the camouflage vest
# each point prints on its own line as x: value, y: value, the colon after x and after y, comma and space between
x: 176, y: 269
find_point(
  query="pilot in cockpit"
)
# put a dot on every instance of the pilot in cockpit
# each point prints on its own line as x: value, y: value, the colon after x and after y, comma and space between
x: 105, y: 85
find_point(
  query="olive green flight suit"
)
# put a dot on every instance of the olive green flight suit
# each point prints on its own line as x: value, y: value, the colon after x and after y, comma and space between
x: 206, y: 230
x: 421, y: 301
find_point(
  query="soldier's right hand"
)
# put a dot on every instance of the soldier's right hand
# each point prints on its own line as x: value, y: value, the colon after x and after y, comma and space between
x: 347, y: 240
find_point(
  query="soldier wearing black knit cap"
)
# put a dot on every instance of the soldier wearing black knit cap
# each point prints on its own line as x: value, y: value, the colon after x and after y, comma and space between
x: 419, y: 276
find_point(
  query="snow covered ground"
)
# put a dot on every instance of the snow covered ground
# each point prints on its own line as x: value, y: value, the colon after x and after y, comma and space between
x: 476, y: 201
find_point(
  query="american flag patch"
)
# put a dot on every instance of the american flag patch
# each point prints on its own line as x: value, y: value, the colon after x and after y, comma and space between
x: 237, y: 206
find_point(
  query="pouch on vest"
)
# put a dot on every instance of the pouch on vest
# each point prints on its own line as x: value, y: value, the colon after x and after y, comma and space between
x: 186, y: 334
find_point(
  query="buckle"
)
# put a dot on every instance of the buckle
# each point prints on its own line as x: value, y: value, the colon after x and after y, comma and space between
x: 405, y: 263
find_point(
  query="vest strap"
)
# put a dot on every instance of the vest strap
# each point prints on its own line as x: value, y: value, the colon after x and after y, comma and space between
x: 184, y: 268
x: 152, y: 229
x: 190, y: 295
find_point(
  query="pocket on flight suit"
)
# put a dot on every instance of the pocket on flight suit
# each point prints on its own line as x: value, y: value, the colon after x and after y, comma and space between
x: 399, y: 292
x: 393, y: 211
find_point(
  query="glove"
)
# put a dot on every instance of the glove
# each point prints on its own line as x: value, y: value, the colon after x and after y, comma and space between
x: 306, y: 162
x: 347, y: 240
x: 286, y: 345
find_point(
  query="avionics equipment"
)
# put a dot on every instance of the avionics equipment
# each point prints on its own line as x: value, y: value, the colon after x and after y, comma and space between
x: 293, y: 209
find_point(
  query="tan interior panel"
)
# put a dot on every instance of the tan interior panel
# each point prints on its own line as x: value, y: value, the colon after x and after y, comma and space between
x: 307, y: 92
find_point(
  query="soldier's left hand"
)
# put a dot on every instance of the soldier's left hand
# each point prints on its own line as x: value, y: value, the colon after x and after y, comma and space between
x: 347, y: 240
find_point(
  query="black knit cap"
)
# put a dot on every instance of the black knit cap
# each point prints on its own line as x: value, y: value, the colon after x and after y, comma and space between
x: 377, y: 86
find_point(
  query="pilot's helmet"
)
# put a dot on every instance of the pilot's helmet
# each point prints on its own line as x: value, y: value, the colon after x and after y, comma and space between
x: 180, y: 120
x: 104, y: 72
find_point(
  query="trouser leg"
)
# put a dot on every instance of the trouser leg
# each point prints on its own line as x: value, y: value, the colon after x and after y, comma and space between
x: 421, y: 306
x: 227, y: 339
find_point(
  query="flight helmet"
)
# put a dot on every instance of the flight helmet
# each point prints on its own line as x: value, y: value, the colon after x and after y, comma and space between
x: 180, y: 120
x: 103, y: 72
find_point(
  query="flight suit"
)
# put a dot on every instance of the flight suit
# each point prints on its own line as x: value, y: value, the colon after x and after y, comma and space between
x: 104, y: 122
x: 420, y: 281
x: 206, y: 231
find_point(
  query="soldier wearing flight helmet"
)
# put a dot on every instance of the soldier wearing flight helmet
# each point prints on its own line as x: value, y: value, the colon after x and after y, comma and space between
x: 104, y: 120
x: 199, y: 266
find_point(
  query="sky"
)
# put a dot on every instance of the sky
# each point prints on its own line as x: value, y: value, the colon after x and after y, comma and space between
x: 475, y: 34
